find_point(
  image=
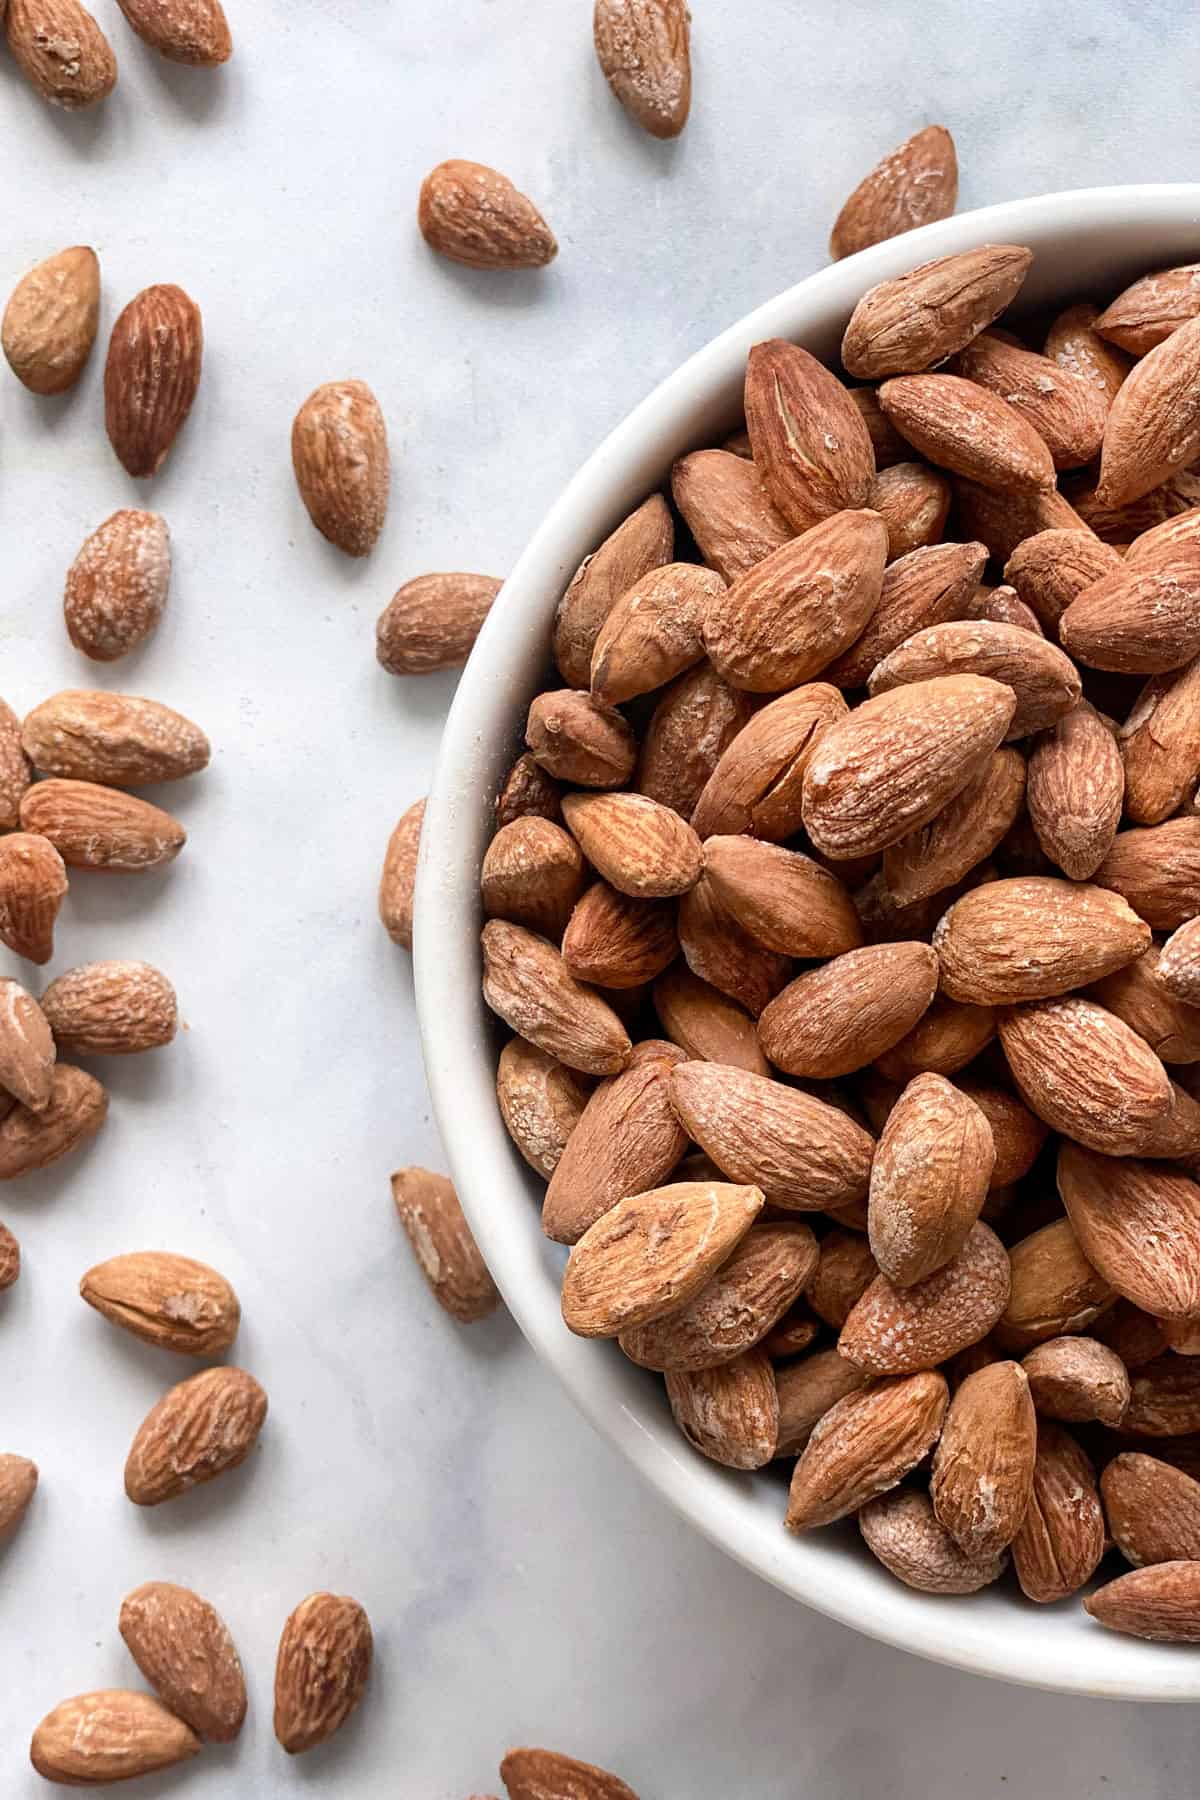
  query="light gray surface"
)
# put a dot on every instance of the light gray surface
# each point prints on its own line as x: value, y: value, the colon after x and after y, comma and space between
x: 522, y: 1586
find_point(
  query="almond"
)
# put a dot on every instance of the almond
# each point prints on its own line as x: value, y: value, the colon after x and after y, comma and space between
x: 865, y: 1444
x: 33, y: 882
x: 1157, y: 869
x: 26, y: 1048
x: 50, y: 321
x: 1075, y: 791
x: 728, y: 511
x: 61, y: 51
x: 1178, y: 969
x: 199, y: 1429
x: 474, y: 215
x: 1076, y: 1379
x: 913, y: 185
x: 1144, y: 314
x: 1161, y: 1603
x: 545, y: 1775
x: 1153, y: 1510
x: 74, y: 1113
x: 639, y: 847
x: 653, y: 632
x: 721, y: 952
x: 913, y: 502
x: 643, y: 48
x: 931, y: 1173
x: 804, y: 1154
x: 1141, y: 996
x: 1052, y: 568
x: 835, y: 1019
x: 341, y: 463
x: 1067, y: 412
x: 806, y: 1390
x: 926, y: 587
x: 1120, y: 525
x: 706, y: 1024
x: 1017, y: 1136
x: 184, y: 31
x: 183, y: 1648
x: 1138, y: 1225
x: 1133, y: 1334
x: 10, y: 1270
x: 756, y: 786
x: 920, y: 319
x: 983, y: 1465
x: 801, y: 607
x: 432, y: 622
x: 899, y: 758
x: 808, y: 438
x: 533, y: 873
x: 1054, y: 1288
x: 1045, y: 682
x: 946, y: 1037
x: 616, y: 941
x: 900, y: 1529
x: 781, y: 897
x: 528, y: 792
x: 399, y: 876
x: 651, y: 1253
x: 961, y: 836
x: 1179, y: 528
x: 693, y: 725
x: 1032, y: 937
x: 1154, y: 425
x: 321, y: 1670
x: 1086, y: 1073
x: 110, y: 1735
x: 731, y: 1413
x: 888, y: 445
x: 171, y: 1301
x: 541, y: 1102
x: 151, y: 376
x: 1140, y: 621
x: 432, y: 1215
x: 529, y: 985
x: 970, y: 430
x: 1003, y: 606
x: 18, y: 1481
x: 627, y: 1141
x: 117, y: 586
x: 120, y: 740
x: 577, y: 740
x: 747, y: 1296
x: 1061, y: 1538
x: 1164, y: 1399
x: 1076, y: 346
x: 15, y: 772
x: 896, y: 1331
x: 94, y: 827
x: 643, y: 542
x: 845, y: 1270
x: 1002, y: 520
x: 1160, y: 745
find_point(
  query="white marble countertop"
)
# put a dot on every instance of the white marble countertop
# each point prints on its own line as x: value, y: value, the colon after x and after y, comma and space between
x: 522, y: 1586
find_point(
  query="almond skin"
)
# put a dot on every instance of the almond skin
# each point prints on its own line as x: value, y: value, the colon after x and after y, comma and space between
x: 321, y: 1670
x: 782, y: 898
x: 900, y: 1529
x: 171, y: 1301
x: 1154, y: 425
x: 643, y: 48
x: 616, y: 941
x: 926, y: 587
x: 706, y: 1024
x: 1044, y: 681
x: 1139, y: 1225
x: 118, y: 740
x: 474, y: 215
x: 341, y: 463
x: 1061, y: 1538
x: 183, y: 1648
x: 151, y: 376
x: 960, y: 837
x: 1075, y: 345
x: 1032, y: 937
x: 529, y: 985
x: 1150, y: 309
x: 983, y: 1465
x: 913, y: 185
x: 896, y: 1331
x: 843, y: 1274
x: 33, y: 881
x: 651, y: 1253
x: 723, y: 953
x: 1157, y: 869
x: 432, y: 622
x: 530, y: 1774
x: 1067, y: 413
x: 907, y: 325
x: 865, y: 1444
x: 944, y: 1040
x: 806, y: 1391
x: 399, y: 876
x: 931, y: 1173
x: 577, y: 740
x: 117, y: 586
x: 693, y: 725
x: 1161, y: 1603
x: 1178, y: 528
x: 18, y: 1483
x: 913, y: 502
x: 747, y: 1296
x: 110, y: 1735
x: 731, y: 1413
x: 639, y: 847
x: 74, y: 1113
x: 1054, y: 1288
x: 643, y: 542
x: 26, y: 1048
x: 1086, y: 1073
x: 653, y: 632
x: 627, y: 1141
x: 432, y: 1215
x: 1052, y: 568
x: 94, y: 827
x: 61, y: 51
x: 808, y: 438
x: 1153, y: 1510
x: 50, y: 321
x: 838, y: 1018
x: 195, y: 32
x: 199, y: 1429
x: 1077, y: 1379
x: 961, y: 426
x: 728, y: 511
x: 1075, y: 791
x: 1160, y: 746
x: 1140, y: 994
x: 756, y: 786
x: 533, y: 874
x: 1139, y: 621
x: 541, y: 1102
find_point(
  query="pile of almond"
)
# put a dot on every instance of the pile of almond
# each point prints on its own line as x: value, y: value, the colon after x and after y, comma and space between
x: 842, y: 905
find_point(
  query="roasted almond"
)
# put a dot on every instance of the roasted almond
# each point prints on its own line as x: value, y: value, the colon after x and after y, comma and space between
x: 913, y: 501
x: 756, y: 786
x: 627, y: 1140
x: 399, y: 875
x: 840, y: 1017
x: 806, y: 1390
x: 61, y: 51
x: 1138, y: 1224
x: 983, y: 1465
x: 74, y: 1112
x: 1032, y: 937
x: 321, y: 1670
x: 15, y: 772
x: 18, y: 1483
x: 1001, y: 519
x: 808, y: 438
x: 909, y: 324
x: 541, y: 1102
x: 1153, y: 1510
x: 530, y: 1774
x: 529, y: 985
x: 432, y: 622
x: 616, y: 941
x: 450, y: 1260
x: 643, y: 542
x: 341, y: 464
x: 1139, y: 995
x: 533, y: 874
x: 690, y: 729
x: 1061, y: 1538
x: 26, y: 1048
x: 1151, y: 308
x: 863, y: 1445
x: 913, y: 185
x: 120, y: 740
x: 706, y: 1024
x: 896, y: 1331
x: 1086, y: 1073
x: 728, y: 511
x: 1133, y: 1334
x: 33, y: 881
x: 1077, y: 1379
x: 113, y: 1734
x: 723, y: 953
x: 783, y: 898
x: 900, y: 1529
x: 183, y: 1648
x: 528, y: 792
x: 961, y: 426
x: 730, y: 1413
x: 845, y: 1270
x: 10, y: 1270
x: 167, y: 1300
x: 1179, y: 528
x: 1052, y: 568
x: 748, y: 1295
x: 199, y: 1429
x: 1067, y: 412
x: 151, y: 375
x: 639, y: 847
x: 1178, y: 969
x: 50, y: 321
x: 653, y: 632
x: 1154, y: 424
x: 925, y: 587
x: 1164, y: 1398
x: 1075, y: 791
x: 1120, y: 525
x: 1044, y: 681
x: 931, y: 1173
x: 94, y: 827
x: 117, y: 586
x: 960, y: 837
x: 1140, y: 621
x: 1160, y: 1603
x: 1003, y: 606
x: 1160, y: 745
x: 1054, y: 1288
x: 643, y: 48
x: 577, y: 740
x: 195, y: 32
x: 946, y: 1037
x: 1076, y: 346
x: 1157, y: 869
x: 888, y: 445
x: 473, y: 214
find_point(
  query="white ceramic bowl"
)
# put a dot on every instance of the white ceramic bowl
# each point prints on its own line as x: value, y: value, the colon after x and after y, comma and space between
x: 1086, y: 243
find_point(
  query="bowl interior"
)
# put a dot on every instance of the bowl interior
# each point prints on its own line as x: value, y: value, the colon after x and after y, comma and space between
x: 1086, y: 243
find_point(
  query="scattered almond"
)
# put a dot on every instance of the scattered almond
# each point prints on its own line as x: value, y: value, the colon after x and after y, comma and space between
x: 111, y: 1735
x: 913, y: 185
x: 184, y: 31
x: 432, y: 1215
x: 183, y: 1648
x: 545, y: 1775
x: 321, y: 1670
x: 171, y: 1301
x: 51, y: 319
x: 10, y: 1270
x: 94, y: 827
x: 341, y: 463
x: 199, y: 1429
x: 432, y: 622
x: 61, y: 51
x: 119, y: 740
x: 33, y: 881
x: 399, y: 876
x: 117, y: 586
x: 151, y: 376
x: 74, y: 1112
x: 474, y: 215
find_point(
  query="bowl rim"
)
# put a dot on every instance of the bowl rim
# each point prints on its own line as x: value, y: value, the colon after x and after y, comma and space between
x: 459, y: 1051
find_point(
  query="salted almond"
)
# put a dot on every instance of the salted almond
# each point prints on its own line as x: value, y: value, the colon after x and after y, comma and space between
x: 913, y: 501
x: 1003, y: 606
x: 533, y: 874
x: 1157, y: 869
x: 26, y: 1048
x: 728, y: 511
x: 747, y: 1296
x: 899, y: 758
x: 18, y: 1483
x: 151, y: 375
x: 1001, y: 519
x: 639, y: 847
x: 120, y: 740
x: 840, y: 1017
x: 541, y: 1102
x: 527, y: 983
x: 1044, y: 681
x: 432, y: 622
x: 183, y: 1648
x: 1144, y: 314
x: 643, y: 48
x: 846, y: 1267
x: 1178, y: 968
x: 1176, y: 1135
x: 1061, y: 1538
x: 530, y: 1774
x: 1054, y: 1288
x: 913, y: 185
x: 399, y: 876
x: 74, y: 1112
x: 50, y: 321
x: 706, y: 1024
x: 806, y: 1391
x: 1032, y: 937
x: 901, y: 1530
x: 1138, y: 1224
x: 865, y: 1444
x: 1076, y: 346
x: 925, y: 587
x: 931, y: 1173
x: 1140, y: 621
x: 111, y: 1735
x: 731, y: 1412
x: 117, y: 586
x: 781, y: 897
x: 983, y: 1464
x: 803, y: 1153
x: 1164, y: 1399
x: 1067, y: 413
x: 194, y: 32
x: 341, y: 464
x: 474, y: 215
x: 651, y: 1253
x: 1179, y: 528
x: 920, y: 319
x: 616, y: 941
x: 723, y: 953
x: 946, y: 1037
x: 960, y: 837
x: 961, y: 426
x: 808, y: 438
x: 15, y: 772
x: 1160, y: 1603
x: 627, y: 1140
x: 1086, y: 1073
x: 1154, y: 424
x: 94, y: 827
x: 432, y: 1216
x: 33, y: 881
x: 653, y: 632
x: 10, y: 1270
x: 1017, y: 1135
x: 756, y: 786
x: 321, y: 1670
x: 61, y: 51
x: 1153, y: 1510
x: 1052, y: 568
x: 690, y: 729
x: 1160, y: 745
x: 1077, y: 1379
x: 577, y: 740
x: 171, y: 1301
x: 895, y: 1331
x: 644, y: 541
x: 1075, y: 791
x: 199, y: 1429
x: 792, y: 614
